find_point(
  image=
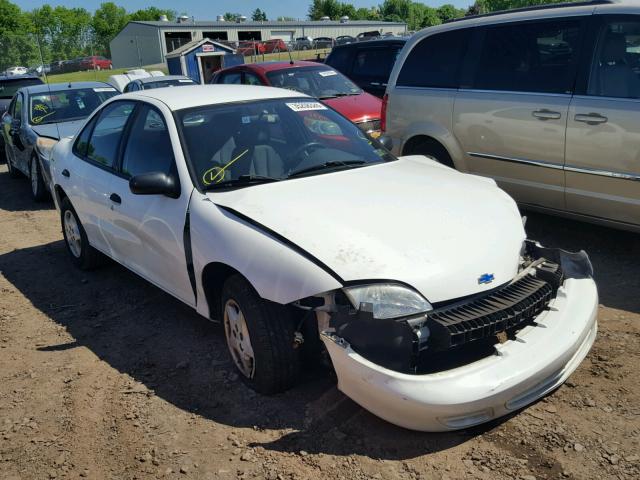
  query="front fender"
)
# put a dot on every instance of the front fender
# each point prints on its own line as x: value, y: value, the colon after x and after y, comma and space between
x: 276, y: 270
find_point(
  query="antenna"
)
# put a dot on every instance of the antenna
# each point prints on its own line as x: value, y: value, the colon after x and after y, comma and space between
x: 289, y: 52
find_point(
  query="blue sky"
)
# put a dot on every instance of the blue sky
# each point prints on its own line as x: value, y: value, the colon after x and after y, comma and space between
x: 208, y: 10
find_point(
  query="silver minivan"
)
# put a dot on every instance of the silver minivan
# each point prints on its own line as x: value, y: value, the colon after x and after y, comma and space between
x: 544, y: 100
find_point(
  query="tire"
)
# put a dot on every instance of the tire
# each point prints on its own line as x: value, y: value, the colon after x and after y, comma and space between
x: 429, y: 148
x: 86, y: 257
x: 13, y: 171
x: 38, y: 189
x: 260, y: 338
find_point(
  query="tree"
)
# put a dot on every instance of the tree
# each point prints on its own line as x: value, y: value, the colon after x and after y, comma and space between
x: 231, y: 17
x: 108, y: 20
x: 62, y: 32
x: 448, y: 12
x: 325, y: 8
x: 18, y: 45
x: 152, y: 13
x: 259, y: 16
x: 485, y: 6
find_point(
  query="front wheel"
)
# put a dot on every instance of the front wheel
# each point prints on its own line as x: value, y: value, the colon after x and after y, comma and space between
x: 38, y: 189
x: 260, y: 338
x: 83, y: 255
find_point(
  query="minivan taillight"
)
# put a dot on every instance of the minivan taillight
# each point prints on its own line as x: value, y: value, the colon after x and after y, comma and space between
x: 383, y: 113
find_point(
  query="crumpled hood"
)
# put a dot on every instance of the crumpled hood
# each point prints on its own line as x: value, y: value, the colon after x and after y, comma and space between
x: 58, y: 130
x: 412, y: 221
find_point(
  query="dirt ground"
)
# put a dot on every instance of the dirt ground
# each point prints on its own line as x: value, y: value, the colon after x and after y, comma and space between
x: 103, y: 376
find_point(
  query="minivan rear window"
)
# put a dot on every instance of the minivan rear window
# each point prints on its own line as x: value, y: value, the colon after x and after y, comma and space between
x: 532, y: 57
x: 435, y: 61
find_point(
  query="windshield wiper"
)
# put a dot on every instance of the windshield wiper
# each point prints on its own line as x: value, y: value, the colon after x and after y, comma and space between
x: 243, y: 180
x: 336, y: 95
x: 326, y: 165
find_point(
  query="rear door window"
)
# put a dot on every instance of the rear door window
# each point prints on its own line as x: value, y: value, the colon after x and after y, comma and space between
x: 374, y: 64
x: 615, y: 71
x: 536, y: 57
x: 105, y: 139
x: 435, y: 61
x: 234, y: 78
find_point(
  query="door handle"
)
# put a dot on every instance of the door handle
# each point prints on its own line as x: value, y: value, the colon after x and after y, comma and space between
x: 115, y: 198
x: 65, y: 173
x: 545, y: 114
x: 590, y: 118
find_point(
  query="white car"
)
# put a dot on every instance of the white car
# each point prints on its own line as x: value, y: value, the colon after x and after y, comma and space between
x: 11, y: 71
x: 267, y: 210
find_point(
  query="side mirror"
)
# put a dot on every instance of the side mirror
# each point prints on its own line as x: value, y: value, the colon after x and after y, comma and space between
x: 386, y: 142
x: 155, y: 183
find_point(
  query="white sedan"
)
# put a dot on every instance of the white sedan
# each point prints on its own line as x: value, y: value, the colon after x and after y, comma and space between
x: 272, y: 213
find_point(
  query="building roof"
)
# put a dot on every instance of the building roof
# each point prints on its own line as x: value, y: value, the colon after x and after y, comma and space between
x: 187, y: 47
x: 200, y: 95
x: 301, y: 23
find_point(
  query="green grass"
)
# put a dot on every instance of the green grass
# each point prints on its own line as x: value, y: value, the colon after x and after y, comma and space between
x: 103, y: 75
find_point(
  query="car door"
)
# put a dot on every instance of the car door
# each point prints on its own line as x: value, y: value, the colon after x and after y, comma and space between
x: 510, y: 113
x: 16, y: 146
x: 603, y: 131
x: 88, y: 180
x: 146, y: 233
x: 7, y: 119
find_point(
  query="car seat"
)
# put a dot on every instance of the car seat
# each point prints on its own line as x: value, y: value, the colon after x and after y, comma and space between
x: 261, y: 158
x: 614, y: 77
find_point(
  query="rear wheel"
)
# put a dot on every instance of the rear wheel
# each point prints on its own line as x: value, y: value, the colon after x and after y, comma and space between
x: 83, y: 255
x: 38, y: 189
x: 429, y: 148
x: 260, y: 338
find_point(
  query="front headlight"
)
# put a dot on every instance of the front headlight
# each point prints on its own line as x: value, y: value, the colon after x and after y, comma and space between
x: 389, y: 300
x: 45, y: 145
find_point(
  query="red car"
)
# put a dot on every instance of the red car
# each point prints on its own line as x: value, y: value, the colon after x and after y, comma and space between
x: 95, y: 62
x: 251, y: 48
x: 317, y: 80
x: 275, y: 45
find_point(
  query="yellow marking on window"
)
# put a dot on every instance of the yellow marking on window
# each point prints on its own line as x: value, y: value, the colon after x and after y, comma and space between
x: 216, y: 174
x: 41, y: 117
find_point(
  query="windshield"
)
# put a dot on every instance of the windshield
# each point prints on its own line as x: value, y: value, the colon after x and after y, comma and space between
x: 271, y: 140
x: 66, y: 105
x: 319, y: 82
x: 8, y: 88
x: 177, y: 82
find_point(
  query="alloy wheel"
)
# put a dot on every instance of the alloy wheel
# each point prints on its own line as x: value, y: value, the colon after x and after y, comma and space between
x: 238, y: 341
x: 72, y: 231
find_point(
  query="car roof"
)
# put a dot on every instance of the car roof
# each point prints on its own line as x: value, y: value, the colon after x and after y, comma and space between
x: 377, y: 41
x: 266, y: 67
x: 18, y: 77
x: 161, y: 78
x: 47, y: 87
x: 199, y: 95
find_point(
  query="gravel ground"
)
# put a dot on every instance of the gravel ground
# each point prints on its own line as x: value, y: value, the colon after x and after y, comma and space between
x: 104, y: 376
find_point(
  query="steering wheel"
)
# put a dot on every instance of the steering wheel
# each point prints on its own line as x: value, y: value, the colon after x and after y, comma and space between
x: 307, y: 147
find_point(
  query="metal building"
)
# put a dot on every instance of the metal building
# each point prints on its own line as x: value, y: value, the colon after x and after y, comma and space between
x: 148, y: 43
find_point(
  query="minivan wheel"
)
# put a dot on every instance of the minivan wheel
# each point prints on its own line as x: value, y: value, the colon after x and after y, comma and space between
x: 38, y: 190
x: 83, y: 255
x: 260, y: 338
x: 429, y: 148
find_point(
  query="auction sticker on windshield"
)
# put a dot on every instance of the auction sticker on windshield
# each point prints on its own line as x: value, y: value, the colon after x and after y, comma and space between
x: 327, y: 73
x: 306, y: 106
x: 104, y: 89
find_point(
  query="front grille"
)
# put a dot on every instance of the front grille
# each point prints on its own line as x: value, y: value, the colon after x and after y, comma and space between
x: 503, y: 309
x: 369, y: 126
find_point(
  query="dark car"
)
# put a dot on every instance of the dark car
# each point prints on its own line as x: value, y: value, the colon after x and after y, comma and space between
x: 303, y: 43
x: 40, y: 115
x: 368, y: 64
x: 8, y: 87
x: 345, y: 40
x: 323, y: 42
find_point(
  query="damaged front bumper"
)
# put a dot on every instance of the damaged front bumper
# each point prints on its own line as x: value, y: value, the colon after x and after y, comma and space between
x: 539, y: 357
